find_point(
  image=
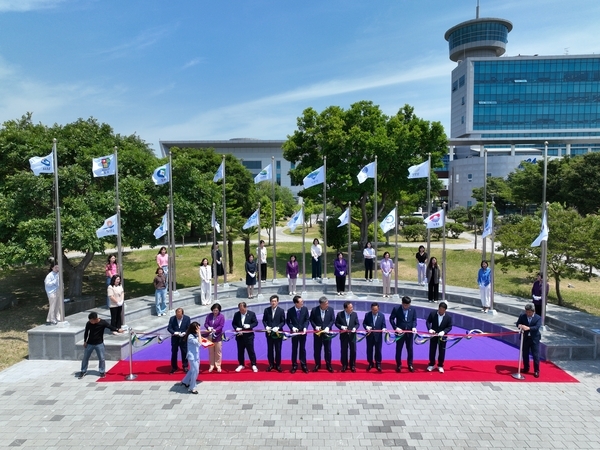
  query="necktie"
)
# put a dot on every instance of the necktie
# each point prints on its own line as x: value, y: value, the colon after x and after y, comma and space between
x: 529, y: 320
x: 298, y: 313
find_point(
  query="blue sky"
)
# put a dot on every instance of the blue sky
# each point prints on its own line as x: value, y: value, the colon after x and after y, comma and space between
x: 199, y: 69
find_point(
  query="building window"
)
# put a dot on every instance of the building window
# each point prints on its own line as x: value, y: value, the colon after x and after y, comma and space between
x: 278, y: 179
x: 489, y: 174
x: 462, y: 120
x: 454, y: 86
x: 463, y: 100
x: 456, y: 179
x: 292, y: 165
x: 278, y: 165
x: 252, y: 165
x: 469, y: 203
x: 470, y: 177
x: 461, y: 81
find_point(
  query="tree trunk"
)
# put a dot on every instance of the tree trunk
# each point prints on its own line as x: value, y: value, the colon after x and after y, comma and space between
x: 230, y: 251
x: 246, y: 246
x: 557, y: 287
x: 75, y: 274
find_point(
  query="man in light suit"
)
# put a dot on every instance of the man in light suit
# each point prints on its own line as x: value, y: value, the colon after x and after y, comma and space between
x: 244, y: 321
x: 273, y: 321
x: 374, y: 321
x: 297, y: 320
x: 178, y: 325
x: 404, y: 321
x: 439, y: 323
x: 347, y: 322
x: 321, y: 319
x: 529, y: 323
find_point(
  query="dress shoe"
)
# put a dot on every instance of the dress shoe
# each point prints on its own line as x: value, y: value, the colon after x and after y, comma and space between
x: 304, y: 369
x: 329, y: 369
x: 378, y: 367
x: 370, y: 366
x: 536, y: 374
x: 411, y: 369
x: 185, y: 370
x: 294, y: 368
x: 398, y: 369
x: 343, y: 368
x: 80, y: 375
x: 173, y: 371
x: 353, y: 369
x: 279, y: 369
x: 269, y: 368
x: 316, y: 369
x: 525, y: 371
x: 102, y: 375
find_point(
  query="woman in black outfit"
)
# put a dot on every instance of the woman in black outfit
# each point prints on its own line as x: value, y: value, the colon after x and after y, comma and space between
x: 433, y: 279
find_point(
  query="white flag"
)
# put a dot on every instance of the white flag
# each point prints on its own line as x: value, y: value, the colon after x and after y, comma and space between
x: 42, y: 164
x: 389, y: 223
x: 543, y: 234
x: 219, y: 175
x: 103, y: 166
x: 296, y: 220
x: 366, y: 172
x: 161, y: 175
x: 264, y: 175
x: 419, y: 171
x: 252, y: 221
x: 436, y: 220
x: 344, y: 218
x: 214, y: 223
x: 489, y: 226
x: 110, y: 227
x: 162, y: 229
x: 314, y: 178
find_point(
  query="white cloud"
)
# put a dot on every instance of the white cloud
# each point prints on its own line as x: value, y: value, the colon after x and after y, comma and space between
x: 144, y: 39
x: 27, y: 5
x: 192, y: 63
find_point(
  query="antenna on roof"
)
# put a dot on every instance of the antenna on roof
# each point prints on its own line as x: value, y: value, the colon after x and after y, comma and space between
x: 477, y: 10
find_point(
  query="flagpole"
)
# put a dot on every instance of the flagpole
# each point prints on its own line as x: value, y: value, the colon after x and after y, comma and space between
x: 375, y: 222
x: 172, y: 279
x: 170, y: 291
x: 257, y: 259
x: 483, y: 240
x: 349, y: 250
x: 428, y: 203
x: 324, y: 219
x: 214, y: 239
x: 444, y: 254
x: 396, y: 250
x: 59, y: 252
x: 303, y: 249
x: 544, y: 262
x: 274, y: 225
x: 119, y: 243
x: 492, y: 263
x: 224, y: 255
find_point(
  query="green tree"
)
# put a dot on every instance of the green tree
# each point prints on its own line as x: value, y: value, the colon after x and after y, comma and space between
x: 497, y: 190
x: 351, y: 139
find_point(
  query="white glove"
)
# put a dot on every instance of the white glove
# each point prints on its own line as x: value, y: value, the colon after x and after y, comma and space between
x: 384, y: 330
x: 344, y: 327
x: 441, y: 281
x: 318, y: 328
x: 326, y: 330
x: 210, y: 328
x: 432, y: 331
x: 275, y: 329
x: 398, y: 330
x: 288, y: 276
x: 441, y: 333
x: 537, y: 298
x: 252, y: 274
x: 238, y: 329
x: 246, y: 326
x: 304, y: 331
x: 294, y: 329
x: 268, y: 329
x: 414, y: 330
x: 342, y: 272
x: 316, y: 259
x: 369, y: 328
x: 354, y: 330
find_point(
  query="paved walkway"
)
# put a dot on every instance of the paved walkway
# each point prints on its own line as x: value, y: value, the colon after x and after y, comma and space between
x: 45, y: 407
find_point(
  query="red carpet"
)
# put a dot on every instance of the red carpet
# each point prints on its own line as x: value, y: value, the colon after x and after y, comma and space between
x: 470, y: 371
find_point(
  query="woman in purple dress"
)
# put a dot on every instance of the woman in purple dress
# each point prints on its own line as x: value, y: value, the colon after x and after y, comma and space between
x: 291, y: 270
x: 340, y: 270
x: 214, y: 324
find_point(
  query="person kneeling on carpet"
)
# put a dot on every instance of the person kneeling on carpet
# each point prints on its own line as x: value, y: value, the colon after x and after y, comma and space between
x: 93, y: 340
x: 192, y: 337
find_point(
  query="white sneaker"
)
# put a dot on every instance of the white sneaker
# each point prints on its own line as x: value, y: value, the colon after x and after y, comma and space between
x: 441, y: 369
x: 429, y: 368
x: 254, y: 369
x: 239, y: 368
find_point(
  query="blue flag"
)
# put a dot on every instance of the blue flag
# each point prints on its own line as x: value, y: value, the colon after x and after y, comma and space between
x: 219, y: 175
x: 252, y: 221
x: 162, y: 229
x: 161, y: 175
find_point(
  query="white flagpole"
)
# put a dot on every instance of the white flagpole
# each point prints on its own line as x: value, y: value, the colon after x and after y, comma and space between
x: 257, y: 259
x: 444, y: 254
x: 59, y: 252
x: 429, y: 204
x: 324, y: 219
x: 169, y: 290
x: 492, y: 263
x: 484, y: 240
x: 274, y: 222
x: 544, y: 243
x: 349, y: 250
x: 119, y: 243
x: 172, y: 280
x: 375, y: 222
x: 214, y: 239
x: 224, y: 255
x: 396, y: 249
x: 303, y: 250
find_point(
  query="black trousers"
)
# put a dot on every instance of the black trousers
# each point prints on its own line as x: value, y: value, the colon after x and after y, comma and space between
x: 372, y: 344
x: 369, y: 269
x: 319, y: 343
x: 316, y: 268
x: 347, y: 342
x: 115, y: 316
x: 408, y: 340
x: 178, y: 344
x: 274, y: 351
x: 340, y: 283
x: 538, y: 307
x: 434, y: 344
x: 433, y: 291
x: 534, y: 348
x: 263, y: 271
x: 245, y: 343
x: 299, y: 345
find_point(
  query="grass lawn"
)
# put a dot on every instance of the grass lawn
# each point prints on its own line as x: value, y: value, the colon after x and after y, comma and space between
x: 26, y: 283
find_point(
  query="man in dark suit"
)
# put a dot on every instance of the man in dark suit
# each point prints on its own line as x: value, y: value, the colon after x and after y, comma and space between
x: 347, y: 322
x: 297, y: 320
x: 273, y: 321
x: 529, y: 323
x: 404, y: 321
x: 439, y: 323
x: 374, y: 321
x: 178, y: 325
x: 244, y: 321
x: 321, y: 319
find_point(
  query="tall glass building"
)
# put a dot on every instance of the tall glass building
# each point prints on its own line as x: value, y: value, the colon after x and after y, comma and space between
x: 518, y: 102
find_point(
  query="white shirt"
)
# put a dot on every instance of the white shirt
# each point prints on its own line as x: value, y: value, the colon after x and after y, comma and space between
x: 316, y: 250
x: 51, y: 282
x: 440, y: 318
x: 261, y: 254
x: 369, y: 253
x: 205, y: 273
